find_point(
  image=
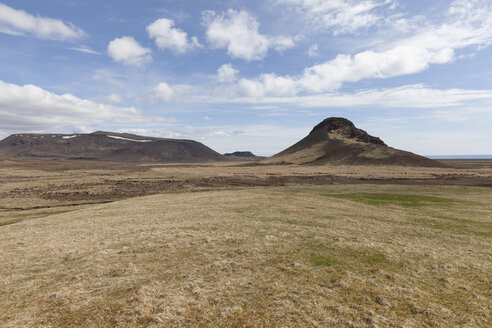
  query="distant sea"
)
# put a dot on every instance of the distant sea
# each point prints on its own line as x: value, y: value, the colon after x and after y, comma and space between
x: 460, y: 156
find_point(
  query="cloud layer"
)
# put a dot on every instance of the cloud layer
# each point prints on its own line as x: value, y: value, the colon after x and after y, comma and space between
x: 30, y: 108
x: 466, y: 26
x: 341, y: 16
x: 18, y: 22
x: 407, y: 96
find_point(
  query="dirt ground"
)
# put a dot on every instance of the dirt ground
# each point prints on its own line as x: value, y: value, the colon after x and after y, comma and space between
x: 89, y: 244
x: 29, y: 186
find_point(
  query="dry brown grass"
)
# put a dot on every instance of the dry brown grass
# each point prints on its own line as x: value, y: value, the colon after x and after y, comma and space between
x: 293, y: 256
x: 35, y: 185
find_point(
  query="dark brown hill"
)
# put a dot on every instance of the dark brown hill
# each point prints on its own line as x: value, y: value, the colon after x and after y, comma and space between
x: 337, y: 141
x: 243, y: 156
x: 107, y: 146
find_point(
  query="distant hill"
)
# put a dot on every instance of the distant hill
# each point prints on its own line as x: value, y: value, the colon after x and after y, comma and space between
x: 107, y: 146
x: 337, y: 141
x: 243, y: 156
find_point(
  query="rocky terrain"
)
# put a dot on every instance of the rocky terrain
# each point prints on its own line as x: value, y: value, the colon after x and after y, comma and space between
x: 107, y: 146
x: 336, y: 140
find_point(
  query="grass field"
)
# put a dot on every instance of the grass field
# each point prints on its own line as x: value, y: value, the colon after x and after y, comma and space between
x: 348, y: 255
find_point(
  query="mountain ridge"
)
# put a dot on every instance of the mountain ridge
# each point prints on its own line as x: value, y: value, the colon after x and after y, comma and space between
x: 107, y: 146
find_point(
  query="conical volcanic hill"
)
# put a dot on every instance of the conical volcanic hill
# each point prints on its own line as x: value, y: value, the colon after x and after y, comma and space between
x: 337, y: 141
x: 107, y: 146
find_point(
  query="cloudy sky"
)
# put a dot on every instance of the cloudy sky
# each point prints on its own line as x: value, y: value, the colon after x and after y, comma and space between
x: 251, y: 75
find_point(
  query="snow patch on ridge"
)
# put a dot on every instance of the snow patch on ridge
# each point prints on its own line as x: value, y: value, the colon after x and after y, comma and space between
x: 128, y: 139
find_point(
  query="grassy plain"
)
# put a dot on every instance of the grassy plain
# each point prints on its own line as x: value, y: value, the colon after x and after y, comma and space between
x: 244, y: 246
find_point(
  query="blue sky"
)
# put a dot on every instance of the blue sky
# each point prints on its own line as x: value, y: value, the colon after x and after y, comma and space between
x: 251, y: 75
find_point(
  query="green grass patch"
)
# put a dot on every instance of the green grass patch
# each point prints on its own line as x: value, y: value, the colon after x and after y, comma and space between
x: 8, y: 223
x: 18, y: 217
x: 487, y: 234
x: 41, y: 214
x: 31, y: 215
x: 457, y: 226
x: 486, y: 225
x: 403, y: 200
x: 349, y: 256
x: 322, y: 260
x: 345, y: 257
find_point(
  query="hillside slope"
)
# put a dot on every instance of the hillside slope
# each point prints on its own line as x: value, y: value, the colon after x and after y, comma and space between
x: 107, y: 146
x: 337, y: 141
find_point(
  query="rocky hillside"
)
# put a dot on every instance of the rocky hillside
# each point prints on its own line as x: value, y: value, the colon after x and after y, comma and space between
x: 107, y: 146
x: 336, y: 140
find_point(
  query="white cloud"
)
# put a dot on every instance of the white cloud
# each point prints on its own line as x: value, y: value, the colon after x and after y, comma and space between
x: 18, y: 22
x: 408, y: 96
x: 30, y: 108
x: 195, y: 43
x: 85, y: 49
x: 226, y: 73
x: 313, y: 51
x: 267, y: 85
x: 238, y: 32
x: 128, y: 51
x: 341, y: 16
x: 403, y: 59
x: 164, y: 92
x: 166, y: 36
x: 438, y: 45
x: 282, y: 43
x: 113, y: 99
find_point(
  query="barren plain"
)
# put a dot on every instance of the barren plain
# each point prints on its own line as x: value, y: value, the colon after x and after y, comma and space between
x: 93, y: 244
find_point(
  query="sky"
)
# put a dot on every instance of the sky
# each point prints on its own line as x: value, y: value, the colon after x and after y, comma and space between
x: 251, y: 75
